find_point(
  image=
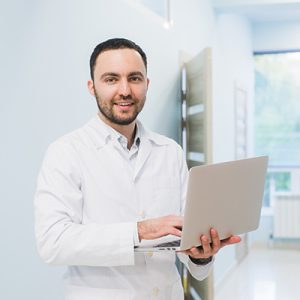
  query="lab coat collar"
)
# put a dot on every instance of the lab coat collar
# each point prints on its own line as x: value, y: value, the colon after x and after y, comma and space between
x: 98, y: 131
x: 152, y: 136
x: 118, y: 136
x: 101, y: 133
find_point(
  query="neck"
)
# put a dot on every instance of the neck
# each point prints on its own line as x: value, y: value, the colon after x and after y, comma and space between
x: 127, y: 130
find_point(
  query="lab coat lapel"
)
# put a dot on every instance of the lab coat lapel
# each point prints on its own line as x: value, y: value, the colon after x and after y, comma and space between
x: 143, y: 154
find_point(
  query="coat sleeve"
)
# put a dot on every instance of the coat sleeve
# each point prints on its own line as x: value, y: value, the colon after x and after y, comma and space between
x: 61, y: 237
x: 199, y: 272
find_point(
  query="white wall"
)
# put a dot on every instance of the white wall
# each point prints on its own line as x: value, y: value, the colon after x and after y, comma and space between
x: 276, y: 36
x: 45, y: 48
x: 232, y: 65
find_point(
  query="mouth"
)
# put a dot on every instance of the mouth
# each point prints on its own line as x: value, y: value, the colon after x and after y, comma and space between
x: 124, y: 105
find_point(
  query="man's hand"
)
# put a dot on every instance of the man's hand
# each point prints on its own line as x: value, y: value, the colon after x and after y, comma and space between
x: 158, y: 227
x: 209, y: 249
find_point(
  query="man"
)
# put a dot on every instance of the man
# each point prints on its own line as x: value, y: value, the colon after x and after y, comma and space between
x: 110, y: 184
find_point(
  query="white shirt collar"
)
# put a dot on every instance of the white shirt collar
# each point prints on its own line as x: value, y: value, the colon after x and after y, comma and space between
x: 100, y: 133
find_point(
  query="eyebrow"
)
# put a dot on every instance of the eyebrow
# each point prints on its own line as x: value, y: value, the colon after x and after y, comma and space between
x: 109, y: 74
x: 135, y: 73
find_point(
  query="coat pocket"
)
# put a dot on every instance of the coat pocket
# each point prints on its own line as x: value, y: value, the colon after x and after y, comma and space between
x: 167, y: 194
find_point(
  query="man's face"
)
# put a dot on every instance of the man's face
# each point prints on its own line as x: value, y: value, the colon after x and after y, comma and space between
x: 120, y: 85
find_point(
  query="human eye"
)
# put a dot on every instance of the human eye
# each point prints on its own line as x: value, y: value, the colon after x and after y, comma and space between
x: 136, y: 78
x: 110, y: 80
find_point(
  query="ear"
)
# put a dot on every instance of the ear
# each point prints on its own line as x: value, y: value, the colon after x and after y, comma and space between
x: 148, y: 81
x: 90, y: 85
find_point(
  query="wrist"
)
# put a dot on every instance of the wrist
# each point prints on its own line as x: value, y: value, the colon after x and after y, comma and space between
x: 136, y: 239
x: 201, y: 261
x: 140, y: 230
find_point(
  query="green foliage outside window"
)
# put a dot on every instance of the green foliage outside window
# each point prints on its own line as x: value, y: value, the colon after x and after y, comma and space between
x: 277, y: 107
x: 282, y: 181
x: 277, y: 114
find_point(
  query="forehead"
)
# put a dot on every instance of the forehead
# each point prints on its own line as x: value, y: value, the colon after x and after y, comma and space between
x: 119, y: 61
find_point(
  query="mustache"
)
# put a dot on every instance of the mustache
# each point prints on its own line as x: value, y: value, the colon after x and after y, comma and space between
x: 128, y: 97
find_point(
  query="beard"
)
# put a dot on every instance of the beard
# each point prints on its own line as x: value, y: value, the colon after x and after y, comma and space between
x: 124, y: 118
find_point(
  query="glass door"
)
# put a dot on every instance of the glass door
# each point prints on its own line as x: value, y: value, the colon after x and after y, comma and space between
x: 197, y: 140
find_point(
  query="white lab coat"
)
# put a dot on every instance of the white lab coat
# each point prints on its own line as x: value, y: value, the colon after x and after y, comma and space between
x: 87, y: 203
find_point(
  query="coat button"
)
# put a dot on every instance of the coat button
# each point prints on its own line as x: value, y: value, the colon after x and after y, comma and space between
x: 155, y: 291
x: 142, y: 214
x: 149, y: 254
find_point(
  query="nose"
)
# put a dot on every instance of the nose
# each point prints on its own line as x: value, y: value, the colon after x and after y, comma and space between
x: 124, y: 88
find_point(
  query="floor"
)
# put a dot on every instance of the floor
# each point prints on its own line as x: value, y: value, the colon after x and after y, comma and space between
x: 265, y: 274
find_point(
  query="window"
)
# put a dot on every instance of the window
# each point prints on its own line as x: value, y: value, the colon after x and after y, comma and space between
x: 277, y: 117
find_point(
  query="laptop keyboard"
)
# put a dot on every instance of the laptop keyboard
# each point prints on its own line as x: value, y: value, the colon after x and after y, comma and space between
x: 169, y: 244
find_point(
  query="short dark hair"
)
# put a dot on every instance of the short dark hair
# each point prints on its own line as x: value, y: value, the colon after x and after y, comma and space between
x: 113, y: 44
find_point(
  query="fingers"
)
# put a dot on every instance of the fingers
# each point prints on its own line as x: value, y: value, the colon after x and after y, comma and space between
x: 171, y: 225
x: 211, y: 248
x: 158, y: 227
x: 174, y: 231
x: 174, y: 221
x: 230, y: 241
x: 216, y: 243
x: 205, y: 245
x: 205, y: 251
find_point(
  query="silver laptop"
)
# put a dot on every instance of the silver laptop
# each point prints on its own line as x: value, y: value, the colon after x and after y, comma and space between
x: 225, y: 196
